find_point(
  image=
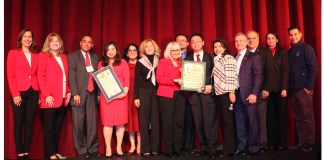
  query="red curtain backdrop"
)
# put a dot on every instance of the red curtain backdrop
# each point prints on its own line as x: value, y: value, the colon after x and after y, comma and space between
x: 126, y: 21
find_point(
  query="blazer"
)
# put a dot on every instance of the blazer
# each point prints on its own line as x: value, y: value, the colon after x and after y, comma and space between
x: 280, y: 80
x: 302, y: 66
x: 78, y: 75
x: 267, y: 67
x: 250, y: 76
x: 21, y: 76
x: 208, y: 80
x: 165, y: 75
x: 50, y: 79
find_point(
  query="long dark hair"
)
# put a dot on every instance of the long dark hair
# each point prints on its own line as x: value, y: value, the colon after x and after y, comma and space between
x: 105, y: 59
x: 278, y: 40
x: 21, y: 35
x: 223, y: 44
x: 126, y: 51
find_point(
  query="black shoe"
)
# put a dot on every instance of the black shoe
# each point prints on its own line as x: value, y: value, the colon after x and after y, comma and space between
x: 212, y: 155
x: 120, y: 155
x: 146, y: 155
x: 249, y: 155
x: 26, y: 157
x: 307, y: 147
x: 95, y: 155
x: 201, y: 153
x: 108, y: 157
x: 20, y: 157
x: 263, y: 150
x: 131, y: 153
x: 171, y: 156
x: 224, y: 155
x: 84, y: 156
x: 155, y: 154
x: 297, y: 146
x: 241, y: 153
x: 178, y: 154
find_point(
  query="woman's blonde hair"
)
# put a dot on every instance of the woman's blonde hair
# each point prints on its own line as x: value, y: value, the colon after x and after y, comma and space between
x: 157, y: 50
x: 170, y: 46
x: 46, y: 46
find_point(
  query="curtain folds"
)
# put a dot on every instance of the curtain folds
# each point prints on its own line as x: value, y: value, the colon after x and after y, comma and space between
x: 126, y: 21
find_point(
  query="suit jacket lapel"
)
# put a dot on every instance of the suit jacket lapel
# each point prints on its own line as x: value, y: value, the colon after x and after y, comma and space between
x: 81, y: 58
x: 247, y: 53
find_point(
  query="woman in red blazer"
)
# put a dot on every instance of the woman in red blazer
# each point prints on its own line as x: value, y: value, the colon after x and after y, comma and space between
x: 52, y: 76
x: 21, y: 74
x: 171, y: 99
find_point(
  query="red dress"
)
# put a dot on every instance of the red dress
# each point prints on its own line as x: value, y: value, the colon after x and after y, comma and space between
x: 133, y: 124
x: 115, y: 112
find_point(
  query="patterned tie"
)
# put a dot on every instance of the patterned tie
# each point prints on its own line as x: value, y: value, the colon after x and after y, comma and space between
x: 90, y: 83
x: 198, y: 58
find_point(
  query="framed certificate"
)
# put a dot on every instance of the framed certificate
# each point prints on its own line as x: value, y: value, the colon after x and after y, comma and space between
x: 193, y: 75
x: 108, y: 83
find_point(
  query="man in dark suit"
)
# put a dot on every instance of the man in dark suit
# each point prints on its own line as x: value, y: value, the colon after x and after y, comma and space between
x: 84, y: 92
x: 268, y: 69
x: 203, y: 104
x: 189, y: 137
x: 250, y: 76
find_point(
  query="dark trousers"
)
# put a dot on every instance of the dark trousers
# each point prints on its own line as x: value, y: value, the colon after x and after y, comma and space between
x: 24, y: 116
x: 172, y: 117
x: 205, y: 115
x: 52, y: 120
x: 247, y: 125
x: 84, y: 119
x: 277, y: 120
x: 189, y: 128
x: 263, y: 122
x: 302, y: 105
x: 228, y: 123
x: 149, y: 120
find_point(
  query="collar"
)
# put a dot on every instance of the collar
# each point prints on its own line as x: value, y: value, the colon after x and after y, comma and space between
x: 242, y: 52
x: 200, y: 53
x: 297, y: 44
x: 253, y: 50
x: 83, y: 53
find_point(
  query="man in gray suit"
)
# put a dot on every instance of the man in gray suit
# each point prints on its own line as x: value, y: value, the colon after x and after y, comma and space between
x: 84, y: 92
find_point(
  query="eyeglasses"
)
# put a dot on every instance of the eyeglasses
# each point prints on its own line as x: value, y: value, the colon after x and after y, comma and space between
x: 132, y: 50
x: 181, y: 40
x: 195, y: 42
x: 176, y: 50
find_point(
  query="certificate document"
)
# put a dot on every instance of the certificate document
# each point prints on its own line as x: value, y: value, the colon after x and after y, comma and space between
x: 193, y: 75
x: 108, y: 83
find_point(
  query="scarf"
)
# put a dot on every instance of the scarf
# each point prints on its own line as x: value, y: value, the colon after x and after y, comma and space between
x: 146, y: 62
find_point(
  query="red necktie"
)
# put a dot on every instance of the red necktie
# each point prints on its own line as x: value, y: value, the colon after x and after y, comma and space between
x: 90, y: 83
x: 198, y: 58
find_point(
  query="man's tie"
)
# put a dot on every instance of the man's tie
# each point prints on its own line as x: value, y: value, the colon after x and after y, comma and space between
x: 238, y: 56
x: 90, y: 83
x: 198, y: 58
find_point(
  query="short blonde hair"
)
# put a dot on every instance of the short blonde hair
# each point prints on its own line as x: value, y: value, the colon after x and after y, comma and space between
x: 157, y: 50
x: 46, y: 46
x: 170, y: 46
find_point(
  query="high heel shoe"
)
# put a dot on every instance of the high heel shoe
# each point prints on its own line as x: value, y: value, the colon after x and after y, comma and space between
x: 120, y: 155
x: 58, y: 156
x: 129, y: 153
x: 20, y: 157
x: 108, y: 157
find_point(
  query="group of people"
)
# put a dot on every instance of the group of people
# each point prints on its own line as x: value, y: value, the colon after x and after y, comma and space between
x: 250, y: 92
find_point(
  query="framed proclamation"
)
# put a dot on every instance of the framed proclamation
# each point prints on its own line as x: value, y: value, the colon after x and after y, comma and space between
x: 108, y: 83
x: 193, y: 75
